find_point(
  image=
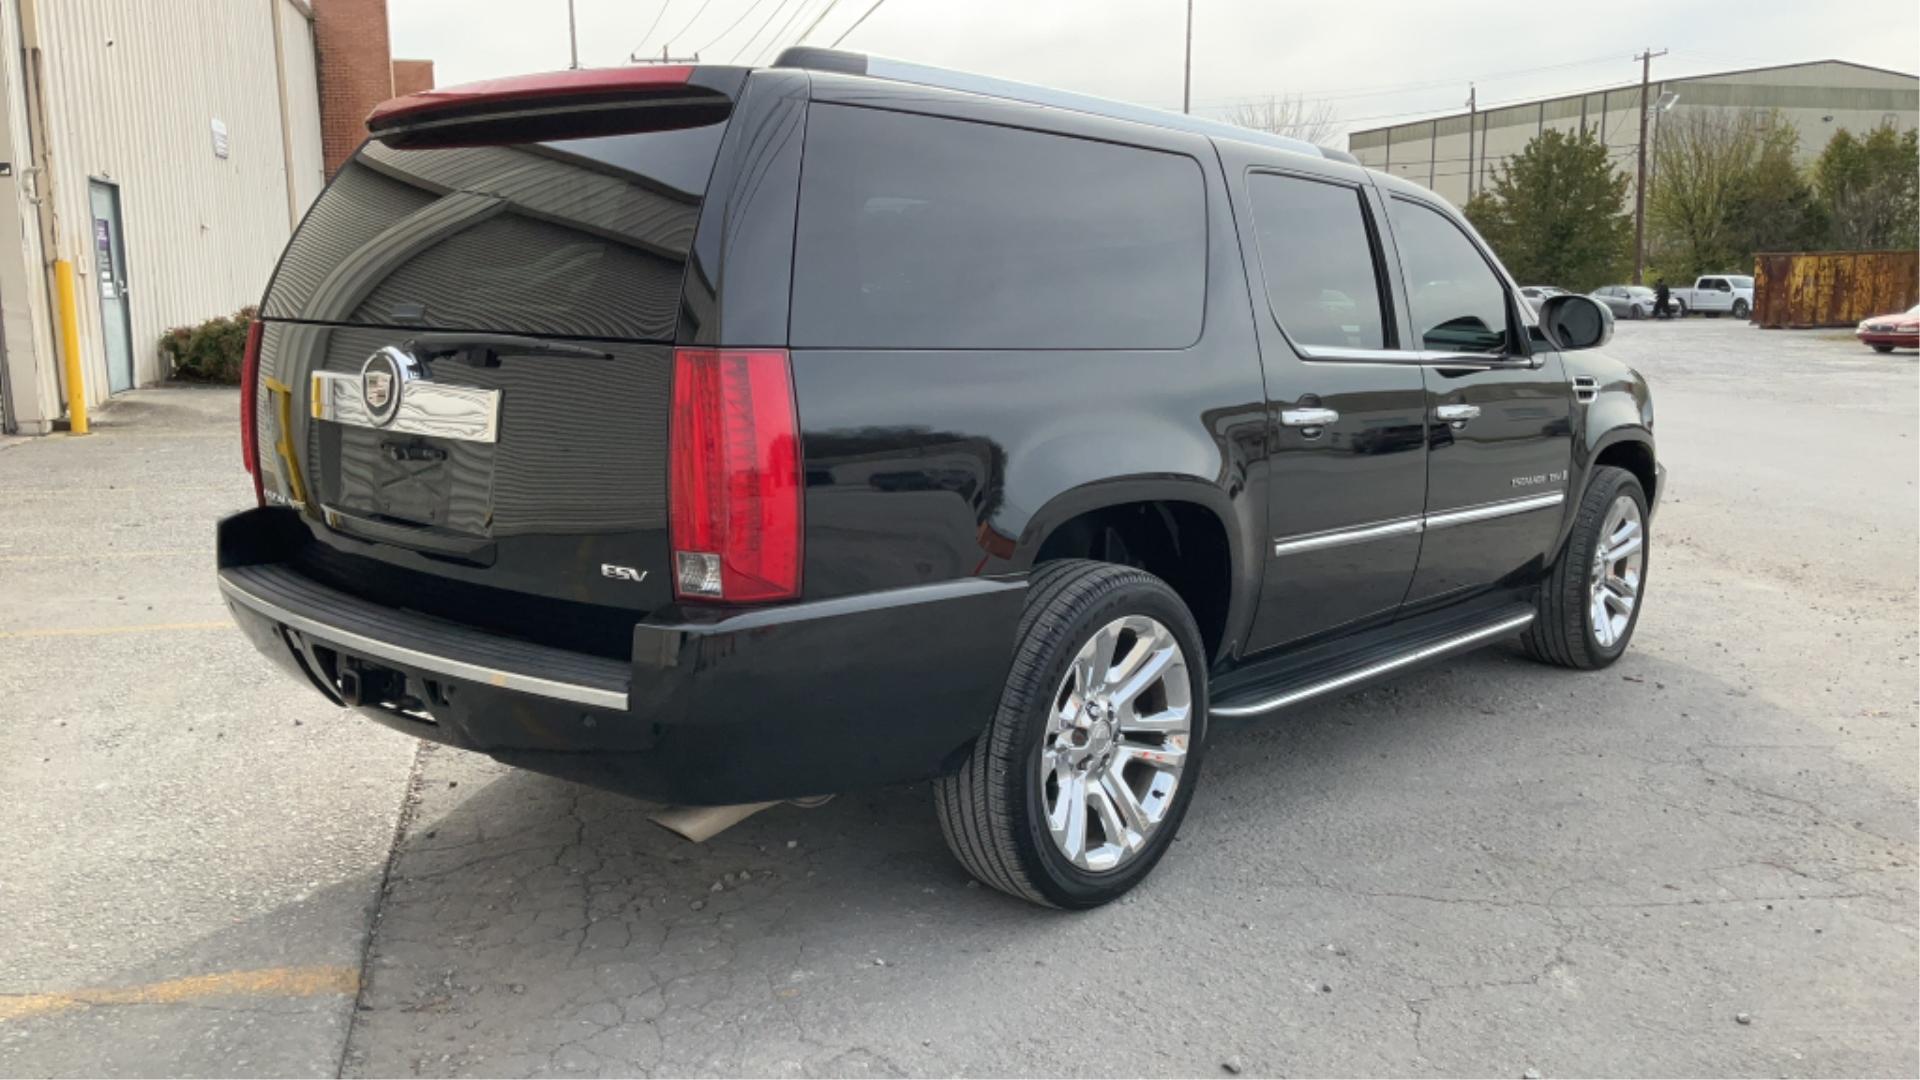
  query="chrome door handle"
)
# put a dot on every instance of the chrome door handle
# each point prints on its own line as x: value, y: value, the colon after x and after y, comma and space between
x: 1308, y: 418
x: 1457, y: 415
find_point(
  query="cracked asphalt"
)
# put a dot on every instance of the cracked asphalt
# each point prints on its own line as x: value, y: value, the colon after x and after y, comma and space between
x: 1701, y: 861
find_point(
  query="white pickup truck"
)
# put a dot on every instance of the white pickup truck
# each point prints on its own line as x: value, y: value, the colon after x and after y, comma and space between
x: 1720, y: 293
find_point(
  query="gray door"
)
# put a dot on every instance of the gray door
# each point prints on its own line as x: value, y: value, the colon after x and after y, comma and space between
x: 110, y: 279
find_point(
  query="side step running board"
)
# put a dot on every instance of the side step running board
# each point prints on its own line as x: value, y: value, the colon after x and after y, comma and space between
x: 1256, y: 699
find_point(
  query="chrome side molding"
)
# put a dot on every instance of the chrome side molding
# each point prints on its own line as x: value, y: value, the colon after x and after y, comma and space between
x: 1488, y: 511
x: 1426, y: 652
x: 1402, y: 526
x: 1348, y: 536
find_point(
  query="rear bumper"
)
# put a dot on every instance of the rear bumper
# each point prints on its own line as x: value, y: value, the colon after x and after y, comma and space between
x: 712, y: 707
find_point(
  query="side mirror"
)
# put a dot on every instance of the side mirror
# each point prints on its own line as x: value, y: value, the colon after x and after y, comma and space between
x: 1576, y: 322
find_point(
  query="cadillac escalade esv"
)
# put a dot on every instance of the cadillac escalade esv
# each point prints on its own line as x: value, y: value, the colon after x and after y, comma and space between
x: 721, y: 435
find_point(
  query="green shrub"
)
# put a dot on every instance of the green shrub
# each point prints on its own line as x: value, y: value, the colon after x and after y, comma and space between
x: 211, y: 352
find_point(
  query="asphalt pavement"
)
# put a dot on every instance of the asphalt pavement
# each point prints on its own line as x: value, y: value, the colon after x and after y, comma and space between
x: 1700, y: 861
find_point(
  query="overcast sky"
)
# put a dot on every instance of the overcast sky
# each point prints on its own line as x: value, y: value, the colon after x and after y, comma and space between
x: 1371, y: 61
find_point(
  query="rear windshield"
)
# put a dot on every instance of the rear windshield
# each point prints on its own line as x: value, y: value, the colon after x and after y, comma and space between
x: 583, y: 237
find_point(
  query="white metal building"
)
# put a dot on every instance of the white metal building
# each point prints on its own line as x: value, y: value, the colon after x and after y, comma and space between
x: 166, y: 151
x: 1818, y: 98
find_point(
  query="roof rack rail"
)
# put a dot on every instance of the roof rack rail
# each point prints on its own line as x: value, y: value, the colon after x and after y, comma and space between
x: 876, y: 67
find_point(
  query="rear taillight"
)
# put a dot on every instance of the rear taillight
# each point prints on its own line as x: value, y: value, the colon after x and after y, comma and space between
x: 735, y: 476
x: 250, y: 409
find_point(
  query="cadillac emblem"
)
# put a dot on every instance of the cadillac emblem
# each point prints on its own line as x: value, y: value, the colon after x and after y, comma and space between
x: 382, y: 380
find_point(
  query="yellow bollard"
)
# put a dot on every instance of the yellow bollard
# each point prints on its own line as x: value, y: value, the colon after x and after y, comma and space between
x: 70, y: 346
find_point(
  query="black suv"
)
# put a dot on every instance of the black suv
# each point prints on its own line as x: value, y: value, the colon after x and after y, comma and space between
x: 723, y: 436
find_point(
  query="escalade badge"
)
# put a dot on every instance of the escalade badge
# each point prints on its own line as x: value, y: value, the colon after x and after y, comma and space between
x: 381, y: 381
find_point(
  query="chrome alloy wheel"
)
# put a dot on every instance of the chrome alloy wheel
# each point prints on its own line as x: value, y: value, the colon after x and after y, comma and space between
x: 1613, y: 586
x: 1115, y: 743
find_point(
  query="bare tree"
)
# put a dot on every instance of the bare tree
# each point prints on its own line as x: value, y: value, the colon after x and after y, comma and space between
x: 1289, y: 116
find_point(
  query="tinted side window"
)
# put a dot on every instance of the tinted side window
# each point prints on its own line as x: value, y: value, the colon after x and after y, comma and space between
x: 1457, y: 300
x: 1317, y: 260
x: 919, y: 232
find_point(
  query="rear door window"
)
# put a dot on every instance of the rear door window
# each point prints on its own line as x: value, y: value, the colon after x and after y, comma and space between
x: 920, y: 232
x: 582, y: 237
x: 1457, y: 301
x: 1317, y: 259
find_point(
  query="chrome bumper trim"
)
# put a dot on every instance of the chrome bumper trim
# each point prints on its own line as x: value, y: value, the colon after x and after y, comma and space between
x: 442, y: 665
x: 1426, y: 652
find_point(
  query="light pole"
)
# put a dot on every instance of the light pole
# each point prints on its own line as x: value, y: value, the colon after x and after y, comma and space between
x: 573, y: 38
x: 1186, y: 85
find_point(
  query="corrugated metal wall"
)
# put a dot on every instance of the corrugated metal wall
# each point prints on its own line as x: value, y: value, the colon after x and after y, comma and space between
x: 1817, y: 98
x: 132, y: 93
x: 1832, y: 288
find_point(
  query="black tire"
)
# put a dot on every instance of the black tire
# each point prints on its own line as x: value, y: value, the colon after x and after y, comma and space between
x: 1740, y: 309
x: 1633, y: 312
x: 1679, y: 309
x: 1561, y: 632
x: 1883, y: 348
x: 992, y: 810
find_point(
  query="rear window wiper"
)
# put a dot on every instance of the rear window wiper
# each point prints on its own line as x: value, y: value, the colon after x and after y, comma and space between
x: 485, y: 350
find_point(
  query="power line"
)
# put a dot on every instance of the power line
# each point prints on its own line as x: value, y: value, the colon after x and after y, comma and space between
x: 856, y: 24
x: 1397, y: 88
x: 657, y: 16
x: 764, y: 23
x: 802, y: 6
x: 824, y: 12
x: 742, y: 17
x: 702, y: 10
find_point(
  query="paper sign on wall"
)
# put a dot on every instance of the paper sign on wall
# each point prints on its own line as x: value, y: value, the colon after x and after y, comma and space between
x: 219, y: 138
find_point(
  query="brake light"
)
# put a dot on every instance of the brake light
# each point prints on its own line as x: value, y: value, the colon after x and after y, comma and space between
x: 250, y: 409
x: 735, y: 476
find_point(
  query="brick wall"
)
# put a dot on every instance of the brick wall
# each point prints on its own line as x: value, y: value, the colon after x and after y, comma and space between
x: 356, y: 71
x: 412, y: 76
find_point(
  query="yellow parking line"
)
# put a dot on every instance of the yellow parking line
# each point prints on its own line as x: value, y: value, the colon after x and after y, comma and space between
x: 93, y: 631
x: 284, y: 982
x: 62, y: 555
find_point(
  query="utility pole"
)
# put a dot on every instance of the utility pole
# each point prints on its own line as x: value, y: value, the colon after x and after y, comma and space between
x: 573, y: 38
x: 663, y: 58
x: 1186, y: 86
x: 1640, y: 184
x: 1473, y: 113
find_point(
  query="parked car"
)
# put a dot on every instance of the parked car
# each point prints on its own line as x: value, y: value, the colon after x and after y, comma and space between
x: 1007, y: 445
x: 1730, y: 294
x: 1889, y: 332
x: 1627, y: 301
x: 1535, y: 295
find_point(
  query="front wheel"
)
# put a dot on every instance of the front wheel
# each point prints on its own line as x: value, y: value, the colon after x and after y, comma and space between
x: 1635, y: 312
x: 1883, y: 348
x: 1590, y: 601
x: 1080, y: 781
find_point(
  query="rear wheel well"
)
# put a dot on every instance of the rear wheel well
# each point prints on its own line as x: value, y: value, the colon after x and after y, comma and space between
x: 1183, y: 544
x: 1634, y: 456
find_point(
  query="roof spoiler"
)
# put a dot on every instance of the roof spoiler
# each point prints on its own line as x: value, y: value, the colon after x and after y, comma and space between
x: 875, y: 67
x: 554, y: 91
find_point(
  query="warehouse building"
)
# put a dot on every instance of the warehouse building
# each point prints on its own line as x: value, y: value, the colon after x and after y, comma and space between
x: 1459, y: 154
x: 162, y: 161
